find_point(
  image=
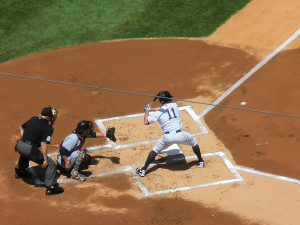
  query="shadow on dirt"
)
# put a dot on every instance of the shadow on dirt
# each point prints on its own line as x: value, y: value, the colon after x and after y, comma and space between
x: 174, y: 163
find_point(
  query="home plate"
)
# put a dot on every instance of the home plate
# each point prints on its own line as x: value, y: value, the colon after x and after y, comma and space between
x: 172, y: 150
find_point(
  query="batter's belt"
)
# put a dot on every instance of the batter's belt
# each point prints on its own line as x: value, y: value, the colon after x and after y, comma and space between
x: 177, y: 131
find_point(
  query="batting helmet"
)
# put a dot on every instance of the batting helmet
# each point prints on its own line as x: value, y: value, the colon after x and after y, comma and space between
x: 50, y: 112
x: 84, y: 125
x: 165, y: 97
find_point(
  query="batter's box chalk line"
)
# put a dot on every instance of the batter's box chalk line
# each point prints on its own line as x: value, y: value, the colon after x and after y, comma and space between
x: 228, y: 164
x: 188, y: 109
x: 131, y: 170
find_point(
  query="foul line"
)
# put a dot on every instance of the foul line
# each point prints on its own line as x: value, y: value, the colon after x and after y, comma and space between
x: 249, y: 74
x: 268, y: 174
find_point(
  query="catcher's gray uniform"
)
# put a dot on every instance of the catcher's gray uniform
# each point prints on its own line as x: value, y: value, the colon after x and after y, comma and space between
x: 72, y: 143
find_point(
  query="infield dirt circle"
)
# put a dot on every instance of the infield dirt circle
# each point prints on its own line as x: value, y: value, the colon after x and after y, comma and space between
x: 197, y: 70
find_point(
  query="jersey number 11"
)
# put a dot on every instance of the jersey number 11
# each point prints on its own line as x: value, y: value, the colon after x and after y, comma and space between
x: 173, y: 112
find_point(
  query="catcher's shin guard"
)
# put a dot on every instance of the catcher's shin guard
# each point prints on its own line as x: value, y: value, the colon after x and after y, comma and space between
x: 77, y: 176
x: 75, y: 172
x: 78, y: 161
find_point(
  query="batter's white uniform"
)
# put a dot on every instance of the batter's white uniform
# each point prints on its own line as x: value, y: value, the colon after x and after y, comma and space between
x: 169, y: 118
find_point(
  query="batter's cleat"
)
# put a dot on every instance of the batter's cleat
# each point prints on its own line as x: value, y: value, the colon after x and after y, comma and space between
x: 54, y: 189
x: 141, y: 172
x: 201, y: 164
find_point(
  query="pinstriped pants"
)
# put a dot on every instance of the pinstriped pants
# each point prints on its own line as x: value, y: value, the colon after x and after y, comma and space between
x: 174, y: 138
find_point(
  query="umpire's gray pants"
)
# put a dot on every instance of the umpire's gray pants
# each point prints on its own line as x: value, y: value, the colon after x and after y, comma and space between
x: 29, y: 152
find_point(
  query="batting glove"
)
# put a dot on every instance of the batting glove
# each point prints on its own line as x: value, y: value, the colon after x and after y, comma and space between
x: 147, y: 107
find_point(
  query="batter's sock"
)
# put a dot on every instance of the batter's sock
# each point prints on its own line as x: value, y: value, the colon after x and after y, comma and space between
x: 150, y: 159
x: 196, y: 150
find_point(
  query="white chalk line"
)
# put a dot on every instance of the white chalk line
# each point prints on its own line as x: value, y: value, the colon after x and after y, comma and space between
x: 197, y: 120
x: 106, y: 173
x: 250, y: 73
x: 288, y: 179
x: 192, y: 187
x: 139, y: 183
x: 226, y: 161
x: 188, y: 109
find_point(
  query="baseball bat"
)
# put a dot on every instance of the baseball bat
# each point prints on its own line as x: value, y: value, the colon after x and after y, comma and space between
x: 155, y: 98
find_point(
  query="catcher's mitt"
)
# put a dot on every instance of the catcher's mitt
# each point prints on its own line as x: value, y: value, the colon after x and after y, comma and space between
x: 110, y: 134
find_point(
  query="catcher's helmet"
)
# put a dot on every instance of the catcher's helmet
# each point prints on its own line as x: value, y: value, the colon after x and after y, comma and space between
x: 165, y: 97
x: 84, y: 125
x: 51, y: 112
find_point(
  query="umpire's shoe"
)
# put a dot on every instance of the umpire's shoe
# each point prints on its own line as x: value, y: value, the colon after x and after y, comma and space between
x: 54, y: 189
x: 19, y: 173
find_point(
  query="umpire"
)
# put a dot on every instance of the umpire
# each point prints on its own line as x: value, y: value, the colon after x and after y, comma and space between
x: 35, y: 135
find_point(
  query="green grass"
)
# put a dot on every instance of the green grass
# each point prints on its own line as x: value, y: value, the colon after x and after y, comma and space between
x: 29, y: 26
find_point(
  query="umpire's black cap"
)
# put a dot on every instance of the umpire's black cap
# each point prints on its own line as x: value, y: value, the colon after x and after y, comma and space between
x: 51, y: 112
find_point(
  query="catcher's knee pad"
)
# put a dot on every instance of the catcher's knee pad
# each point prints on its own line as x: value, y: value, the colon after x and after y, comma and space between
x: 80, y: 158
x: 78, y: 161
x: 81, y: 155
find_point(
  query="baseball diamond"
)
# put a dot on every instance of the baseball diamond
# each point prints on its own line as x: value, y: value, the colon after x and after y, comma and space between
x: 117, y: 90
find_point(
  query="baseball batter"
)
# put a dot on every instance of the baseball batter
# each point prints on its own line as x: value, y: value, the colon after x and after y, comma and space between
x: 169, y: 118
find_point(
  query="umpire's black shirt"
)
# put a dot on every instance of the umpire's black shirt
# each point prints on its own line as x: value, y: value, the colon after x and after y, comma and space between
x: 37, y: 131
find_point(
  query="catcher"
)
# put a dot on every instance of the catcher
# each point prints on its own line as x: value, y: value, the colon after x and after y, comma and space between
x: 71, y: 155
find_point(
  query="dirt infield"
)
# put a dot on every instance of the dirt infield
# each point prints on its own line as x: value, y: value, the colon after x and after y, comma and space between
x: 229, y: 190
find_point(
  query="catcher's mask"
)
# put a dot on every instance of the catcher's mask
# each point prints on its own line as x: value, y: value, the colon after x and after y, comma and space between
x: 50, y: 112
x: 164, y: 97
x: 84, y: 125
